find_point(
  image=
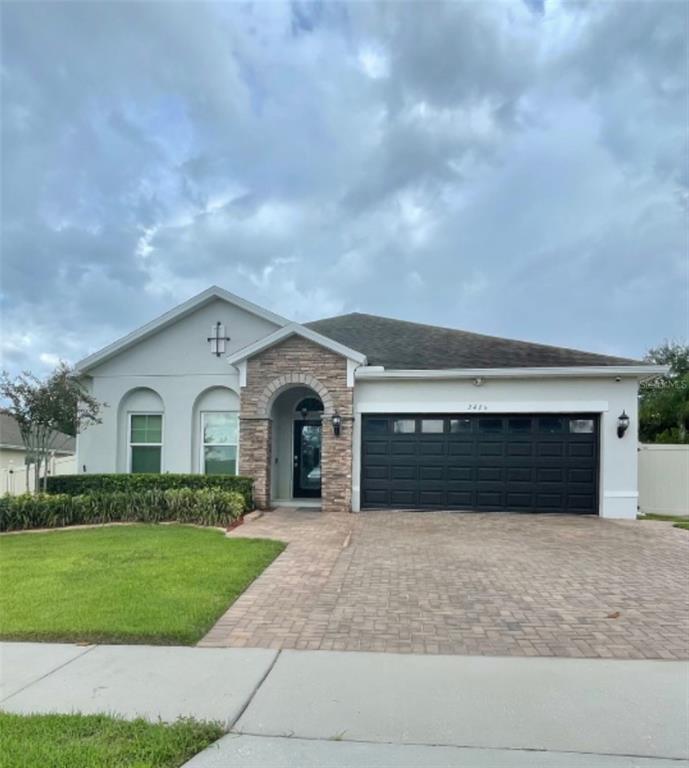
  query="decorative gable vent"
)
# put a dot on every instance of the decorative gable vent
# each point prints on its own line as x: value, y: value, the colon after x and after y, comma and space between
x: 217, y: 339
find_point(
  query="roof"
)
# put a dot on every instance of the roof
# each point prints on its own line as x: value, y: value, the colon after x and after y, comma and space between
x: 294, y: 329
x: 182, y: 310
x: 10, y: 436
x: 399, y: 344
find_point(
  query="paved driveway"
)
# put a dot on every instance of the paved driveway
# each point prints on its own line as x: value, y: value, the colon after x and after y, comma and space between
x: 481, y: 584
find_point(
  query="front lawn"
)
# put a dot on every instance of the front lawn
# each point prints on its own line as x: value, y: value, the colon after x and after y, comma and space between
x: 164, y: 584
x: 98, y: 741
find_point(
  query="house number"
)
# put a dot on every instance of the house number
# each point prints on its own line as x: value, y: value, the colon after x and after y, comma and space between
x: 477, y: 407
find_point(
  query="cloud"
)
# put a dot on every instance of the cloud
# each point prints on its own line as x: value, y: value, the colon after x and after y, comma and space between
x: 515, y: 168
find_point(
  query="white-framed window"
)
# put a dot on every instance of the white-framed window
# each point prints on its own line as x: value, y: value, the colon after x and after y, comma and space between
x: 145, y: 442
x: 219, y: 439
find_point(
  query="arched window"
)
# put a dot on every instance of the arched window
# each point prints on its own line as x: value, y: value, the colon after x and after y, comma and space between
x: 309, y: 405
x: 141, y: 423
x: 216, y: 432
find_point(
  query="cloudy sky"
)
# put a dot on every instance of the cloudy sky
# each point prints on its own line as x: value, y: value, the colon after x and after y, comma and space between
x: 518, y: 169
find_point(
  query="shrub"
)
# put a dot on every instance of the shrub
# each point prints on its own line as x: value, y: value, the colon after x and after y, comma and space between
x: 207, y: 506
x: 76, y: 485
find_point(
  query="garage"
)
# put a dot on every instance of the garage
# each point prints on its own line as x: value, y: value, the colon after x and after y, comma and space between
x: 484, y: 462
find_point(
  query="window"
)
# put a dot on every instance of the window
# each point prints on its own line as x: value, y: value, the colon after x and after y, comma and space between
x: 519, y: 425
x: 490, y: 425
x: 145, y: 442
x: 432, y: 425
x: 219, y: 445
x: 551, y: 424
x: 581, y: 426
x: 403, y: 426
x: 376, y: 426
x: 460, y: 425
x: 309, y: 404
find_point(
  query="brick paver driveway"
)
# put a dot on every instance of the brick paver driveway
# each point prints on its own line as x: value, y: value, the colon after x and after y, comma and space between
x: 493, y: 584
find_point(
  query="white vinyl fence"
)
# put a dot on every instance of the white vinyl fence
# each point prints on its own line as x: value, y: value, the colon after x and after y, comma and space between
x: 14, y: 480
x: 664, y: 479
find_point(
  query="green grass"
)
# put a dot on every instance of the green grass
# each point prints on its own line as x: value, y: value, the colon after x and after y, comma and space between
x: 98, y: 741
x: 165, y: 584
x: 680, y: 521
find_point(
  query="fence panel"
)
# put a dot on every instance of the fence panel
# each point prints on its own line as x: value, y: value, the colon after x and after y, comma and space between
x: 664, y: 479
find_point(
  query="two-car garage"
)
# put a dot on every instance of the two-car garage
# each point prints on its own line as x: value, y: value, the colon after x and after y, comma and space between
x: 489, y: 462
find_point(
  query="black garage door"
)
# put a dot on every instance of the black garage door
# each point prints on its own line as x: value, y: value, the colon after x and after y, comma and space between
x: 517, y: 462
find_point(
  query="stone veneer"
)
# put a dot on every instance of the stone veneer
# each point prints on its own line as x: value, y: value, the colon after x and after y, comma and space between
x: 297, y: 362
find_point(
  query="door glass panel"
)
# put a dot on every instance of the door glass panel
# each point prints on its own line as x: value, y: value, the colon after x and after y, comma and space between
x: 310, y: 457
x: 581, y: 426
x: 490, y: 425
x: 376, y: 426
x: 432, y: 425
x: 460, y: 425
x: 403, y: 426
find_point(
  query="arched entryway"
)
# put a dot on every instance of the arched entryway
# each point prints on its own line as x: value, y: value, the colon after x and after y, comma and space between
x: 296, y: 449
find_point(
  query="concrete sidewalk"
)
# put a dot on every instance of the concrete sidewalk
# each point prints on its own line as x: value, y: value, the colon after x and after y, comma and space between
x: 321, y: 708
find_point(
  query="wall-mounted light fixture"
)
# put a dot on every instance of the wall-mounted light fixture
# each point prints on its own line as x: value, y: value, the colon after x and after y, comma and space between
x: 337, y: 423
x: 622, y: 423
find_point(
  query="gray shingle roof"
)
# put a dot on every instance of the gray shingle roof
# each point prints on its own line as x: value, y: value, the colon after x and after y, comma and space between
x: 399, y: 344
x: 10, y: 436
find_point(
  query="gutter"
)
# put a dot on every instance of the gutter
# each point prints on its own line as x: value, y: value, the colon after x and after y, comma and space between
x: 375, y: 373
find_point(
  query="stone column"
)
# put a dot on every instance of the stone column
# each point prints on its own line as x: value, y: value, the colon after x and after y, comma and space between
x: 336, y: 466
x: 255, y: 437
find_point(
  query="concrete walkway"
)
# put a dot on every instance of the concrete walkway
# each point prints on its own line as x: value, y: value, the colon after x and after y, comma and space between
x: 315, y: 708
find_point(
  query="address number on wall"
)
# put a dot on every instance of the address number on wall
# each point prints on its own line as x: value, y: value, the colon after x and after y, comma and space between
x: 477, y: 407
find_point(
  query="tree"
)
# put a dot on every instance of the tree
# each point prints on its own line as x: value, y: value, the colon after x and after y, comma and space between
x: 664, y: 400
x: 48, y: 409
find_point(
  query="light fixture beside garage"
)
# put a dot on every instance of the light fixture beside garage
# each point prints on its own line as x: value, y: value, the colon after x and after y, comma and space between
x: 622, y: 423
x: 337, y: 423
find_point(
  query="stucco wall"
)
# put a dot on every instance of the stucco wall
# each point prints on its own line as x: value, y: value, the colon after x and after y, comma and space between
x: 618, y: 495
x: 175, y: 363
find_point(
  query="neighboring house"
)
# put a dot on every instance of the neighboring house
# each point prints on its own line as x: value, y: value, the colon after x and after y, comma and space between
x: 359, y: 411
x: 13, y: 456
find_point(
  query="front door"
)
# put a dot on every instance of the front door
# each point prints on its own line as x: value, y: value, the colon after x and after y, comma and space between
x: 307, y: 459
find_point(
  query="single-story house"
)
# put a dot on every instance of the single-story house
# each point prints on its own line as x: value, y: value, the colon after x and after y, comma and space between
x: 358, y: 411
x: 14, y: 456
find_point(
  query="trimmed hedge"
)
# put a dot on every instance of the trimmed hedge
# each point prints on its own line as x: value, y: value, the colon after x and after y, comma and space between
x: 76, y: 485
x: 205, y: 506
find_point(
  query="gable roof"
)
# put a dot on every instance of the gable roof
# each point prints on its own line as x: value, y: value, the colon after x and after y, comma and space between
x: 294, y: 329
x: 180, y: 311
x: 398, y: 344
x: 11, y: 437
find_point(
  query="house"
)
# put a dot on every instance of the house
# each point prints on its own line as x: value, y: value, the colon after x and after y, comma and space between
x: 358, y: 411
x: 13, y: 456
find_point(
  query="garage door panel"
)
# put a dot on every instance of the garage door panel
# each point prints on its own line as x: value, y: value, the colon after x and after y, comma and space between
x: 403, y: 497
x: 402, y: 448
x: 403, y: 472
x: 521, y: 462
x: 376, y: 472
x: 460, y: 499
x: 432, y: 473
x: 490, y: 473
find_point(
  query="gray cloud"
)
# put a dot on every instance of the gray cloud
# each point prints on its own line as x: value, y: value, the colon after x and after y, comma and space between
x: 513, y: 168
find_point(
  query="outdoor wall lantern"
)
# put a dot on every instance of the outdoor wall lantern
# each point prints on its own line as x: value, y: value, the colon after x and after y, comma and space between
x: 622, y: 423
x: 337, y: 423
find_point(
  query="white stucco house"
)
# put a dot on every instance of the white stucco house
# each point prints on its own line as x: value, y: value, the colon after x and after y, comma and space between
x: 358, y: 411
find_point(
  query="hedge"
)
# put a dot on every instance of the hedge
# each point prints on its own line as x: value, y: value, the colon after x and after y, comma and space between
x: 76, y: 485
x: 205, y: 506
